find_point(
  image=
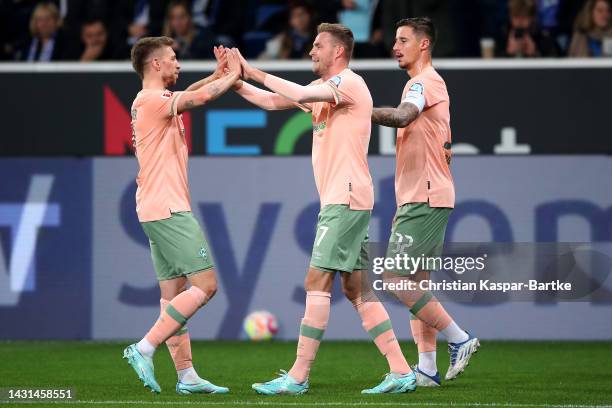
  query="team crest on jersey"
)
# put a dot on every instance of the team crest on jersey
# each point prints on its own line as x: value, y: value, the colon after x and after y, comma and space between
x: 203, y: 253
x: 417, y: 87
x: 336, y: 80
x: 166, y: 94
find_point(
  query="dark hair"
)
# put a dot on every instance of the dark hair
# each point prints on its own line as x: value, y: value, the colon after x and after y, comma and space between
x: 341, y: 33
x: 421, y: 26
x: 521, y: 8
x: 292, y: 4
x: 144, y: 48
x: 179, y: 3
x: 93, y: 20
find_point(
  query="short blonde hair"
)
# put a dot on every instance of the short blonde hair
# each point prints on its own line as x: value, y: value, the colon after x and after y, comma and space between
x: 342, y: 34
x: 41, y: 8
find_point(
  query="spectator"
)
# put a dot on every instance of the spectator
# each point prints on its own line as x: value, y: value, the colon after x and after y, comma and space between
x: 74, y: 12
x: 523, y: 38
x: 47, y: 43
x: 189, y: 41
x: 328, y: 10
x: 550, y: 16
x: 387, y: 14
x: 133, y: 19
x: 568, y: 10
x: 225, y: 20
x: 94, y: 38
x: 296, y: 41
x: 368, y: 37
x: 591, y: 27
x: 14, y: 20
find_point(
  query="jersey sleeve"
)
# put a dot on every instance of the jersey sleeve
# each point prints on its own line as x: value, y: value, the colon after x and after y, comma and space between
x: 344, y: 90
x: 307, y: 107
x: 430, y: 89
x: 163, y: 103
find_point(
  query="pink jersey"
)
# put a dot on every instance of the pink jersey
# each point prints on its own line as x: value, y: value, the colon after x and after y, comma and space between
x: 422, y: 173
x: 159, y: 139
x: 341, y: 136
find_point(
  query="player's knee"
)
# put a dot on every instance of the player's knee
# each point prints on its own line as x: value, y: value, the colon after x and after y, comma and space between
x: 311, y: 283
x: 210, y: 289
x: 351, y: 292
x: 307, y: 283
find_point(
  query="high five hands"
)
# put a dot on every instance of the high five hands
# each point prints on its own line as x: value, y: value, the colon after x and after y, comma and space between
x: 223, y: 56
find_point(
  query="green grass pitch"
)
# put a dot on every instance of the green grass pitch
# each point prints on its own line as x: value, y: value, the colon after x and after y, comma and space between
x: 502, y: 374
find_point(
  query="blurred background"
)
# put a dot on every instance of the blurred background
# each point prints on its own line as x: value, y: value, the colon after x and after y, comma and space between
x: 104, y: 30
x: 529, y: 83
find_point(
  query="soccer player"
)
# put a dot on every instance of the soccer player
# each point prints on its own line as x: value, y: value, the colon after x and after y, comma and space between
x: 341, y: 108
x: 424, y: 190
x: 179, y: 250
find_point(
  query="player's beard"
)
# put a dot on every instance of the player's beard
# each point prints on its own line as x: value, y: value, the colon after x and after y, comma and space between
x: 406, y: 63
x: 316, y: 68
x: 320, y: 69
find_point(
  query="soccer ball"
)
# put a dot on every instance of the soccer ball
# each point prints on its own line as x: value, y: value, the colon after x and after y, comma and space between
x: 260, y: 325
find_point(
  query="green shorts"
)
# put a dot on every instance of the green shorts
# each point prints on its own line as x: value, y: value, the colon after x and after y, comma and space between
x: 178, y: 246
x: 418, y: 231
x: 342, y: 238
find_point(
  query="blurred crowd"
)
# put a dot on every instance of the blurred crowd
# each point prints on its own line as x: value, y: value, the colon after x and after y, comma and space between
x: 103, y: 30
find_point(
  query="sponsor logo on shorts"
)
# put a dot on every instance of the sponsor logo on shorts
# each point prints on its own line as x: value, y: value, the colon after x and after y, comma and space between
x: 203, y: 253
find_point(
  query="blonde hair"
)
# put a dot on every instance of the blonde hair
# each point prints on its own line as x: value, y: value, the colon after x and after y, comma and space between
x: 342, y: 34
x: 41, y: 8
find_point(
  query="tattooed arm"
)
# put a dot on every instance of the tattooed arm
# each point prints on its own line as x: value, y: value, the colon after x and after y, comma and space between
x: 205, y: 94
x: 211, y: 91
x: 399, y: 117
x: 197, y: 85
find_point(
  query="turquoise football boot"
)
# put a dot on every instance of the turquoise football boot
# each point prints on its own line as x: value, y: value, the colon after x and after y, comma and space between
x: 283, y: 385
x: 143, y: 367
x: 394, y: 384
x: 200, y: 387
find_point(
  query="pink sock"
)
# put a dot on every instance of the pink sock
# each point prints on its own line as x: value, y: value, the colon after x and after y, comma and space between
x: 376, y: 321
x: 313, y: 326
x: 176, y: 314
x: 179, y: 344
